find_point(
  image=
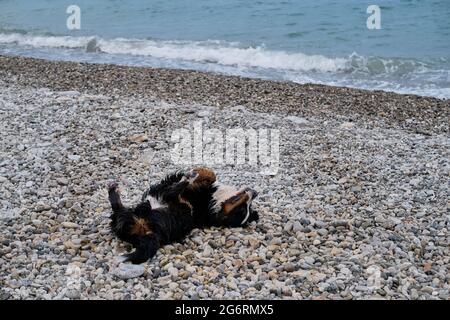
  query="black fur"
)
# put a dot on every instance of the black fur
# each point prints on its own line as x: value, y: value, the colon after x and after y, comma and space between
x: 187, y: 205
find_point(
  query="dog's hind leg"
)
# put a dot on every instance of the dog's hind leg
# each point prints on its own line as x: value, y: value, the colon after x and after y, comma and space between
x: 206, y: 177
x: 176, y: 200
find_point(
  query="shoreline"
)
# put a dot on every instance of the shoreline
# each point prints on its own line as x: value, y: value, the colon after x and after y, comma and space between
x: 358, y: 208
x: 411, y: 112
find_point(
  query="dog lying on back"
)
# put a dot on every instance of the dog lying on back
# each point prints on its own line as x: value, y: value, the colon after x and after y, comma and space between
x: 169, y: 210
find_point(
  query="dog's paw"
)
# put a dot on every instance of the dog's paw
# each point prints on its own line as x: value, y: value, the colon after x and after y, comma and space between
x: 135, y: 258
x: 112, y: 185
x: 190, y: 177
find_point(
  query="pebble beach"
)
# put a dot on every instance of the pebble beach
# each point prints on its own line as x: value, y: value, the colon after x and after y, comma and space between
x: 359, y: 207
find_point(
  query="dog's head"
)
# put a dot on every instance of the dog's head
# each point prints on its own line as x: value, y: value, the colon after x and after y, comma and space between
x: 233, y: 207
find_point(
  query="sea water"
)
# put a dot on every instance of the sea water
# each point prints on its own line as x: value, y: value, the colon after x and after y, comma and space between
x: 309, y: 41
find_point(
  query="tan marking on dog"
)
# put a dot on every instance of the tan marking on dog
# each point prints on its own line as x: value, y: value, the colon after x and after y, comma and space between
x: 223, y: 193
x: 235, y: 202
x: 140, y: 227
x: 206, y: 177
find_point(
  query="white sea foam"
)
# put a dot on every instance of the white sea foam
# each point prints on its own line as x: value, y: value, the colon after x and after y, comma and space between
x: 39, y: 41
x: 227, y: 54
x: 390, y: 74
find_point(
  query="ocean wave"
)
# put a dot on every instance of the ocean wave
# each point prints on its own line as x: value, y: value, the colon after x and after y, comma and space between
x: 396, y: 74
x: 227, y: 54
x: 393, y: 66
x: 40, y: 41
x: 222, y: 53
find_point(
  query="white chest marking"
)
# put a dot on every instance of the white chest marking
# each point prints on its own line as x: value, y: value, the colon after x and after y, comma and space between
x: 155, y: 202
x: 222, y: 193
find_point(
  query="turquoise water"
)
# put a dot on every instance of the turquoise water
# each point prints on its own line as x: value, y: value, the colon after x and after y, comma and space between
x: 316, y: 41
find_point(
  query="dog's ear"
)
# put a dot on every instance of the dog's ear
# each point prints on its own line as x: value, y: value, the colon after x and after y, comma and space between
x: 254, y: 215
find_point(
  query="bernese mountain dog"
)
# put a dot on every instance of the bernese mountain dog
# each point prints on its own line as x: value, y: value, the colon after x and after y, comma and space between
x: 170, y: 209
